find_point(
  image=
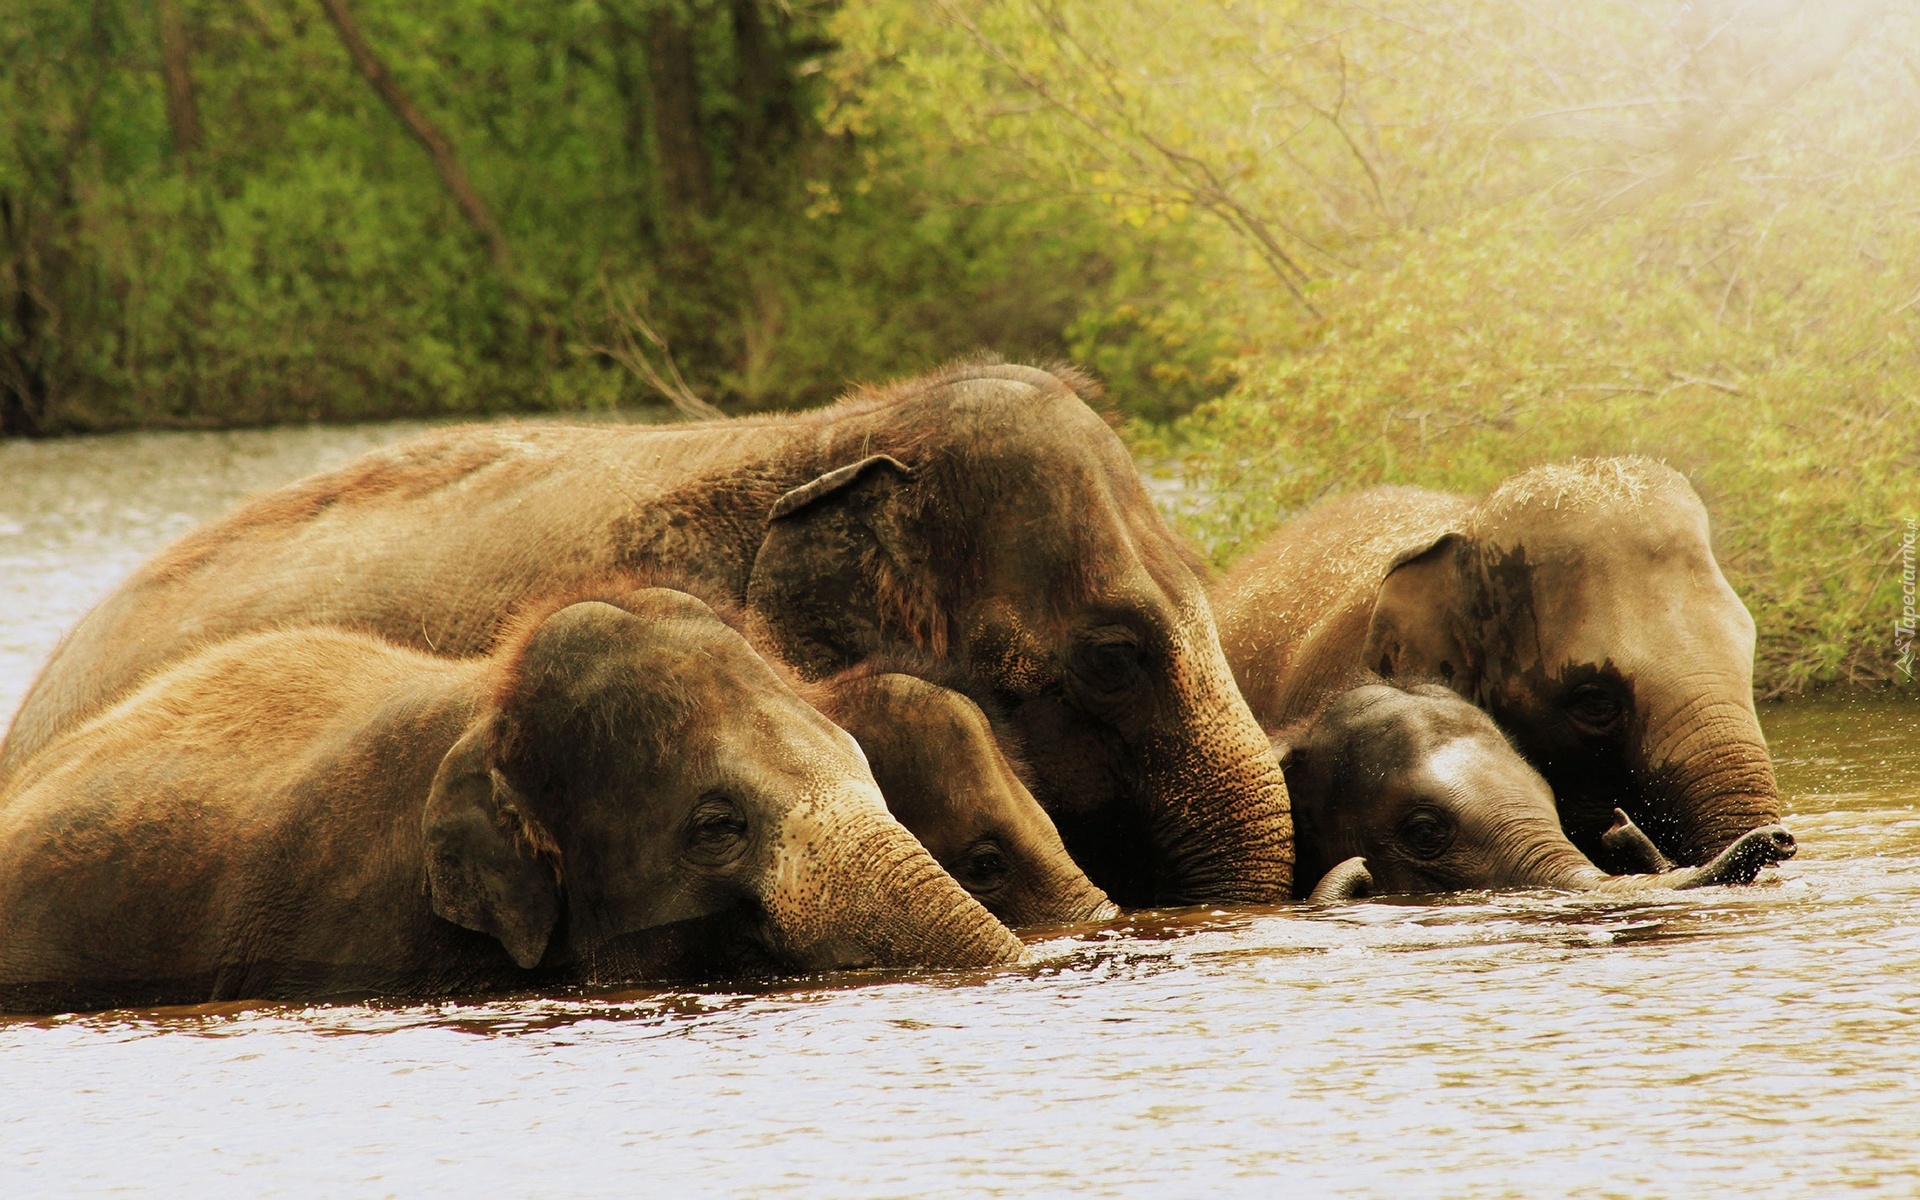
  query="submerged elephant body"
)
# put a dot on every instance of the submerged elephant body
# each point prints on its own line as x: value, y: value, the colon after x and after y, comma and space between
x: 625, y: 791
x: 1579, y: 604
x: 984, y: 516
x: 1425, y: 788
x: 948, y: 780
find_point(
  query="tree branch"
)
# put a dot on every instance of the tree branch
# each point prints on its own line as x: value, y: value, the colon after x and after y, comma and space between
x: 435, y: 143
x: 624, y: 319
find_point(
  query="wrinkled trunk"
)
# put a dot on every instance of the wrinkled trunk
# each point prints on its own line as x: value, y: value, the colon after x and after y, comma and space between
x: 1063, y: 895
x: 1229, y: 841
x: 1346, y: 881
x: 1710, y: 780
x: 1739, y: 863
x: 854, y: 889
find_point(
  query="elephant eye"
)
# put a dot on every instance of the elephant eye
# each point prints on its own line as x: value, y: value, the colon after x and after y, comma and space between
x: 1108, y: 663
x: 1427, y: 832
x: 983, y: 867
x: 716, y: 831
x: 1593, y: 706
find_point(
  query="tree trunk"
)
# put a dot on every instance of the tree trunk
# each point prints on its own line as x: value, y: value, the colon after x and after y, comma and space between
x: 437, y: 147
x: 677, y: 134
x: 762, y: 95
x: 176, y: 68
x: 34, y: 242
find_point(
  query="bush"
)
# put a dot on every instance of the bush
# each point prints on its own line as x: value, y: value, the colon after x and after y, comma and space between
x: 1453, y: 239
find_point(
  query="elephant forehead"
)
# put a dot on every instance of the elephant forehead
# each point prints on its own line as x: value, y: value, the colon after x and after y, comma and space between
x: 1467, y: 763
x: 1075, y: 528
x: 802, y: 747
x: 1635, y: 610
x: 1572, y: 550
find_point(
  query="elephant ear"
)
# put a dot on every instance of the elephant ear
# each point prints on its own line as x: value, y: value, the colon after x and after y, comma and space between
x: 841, y: 573
x: 1419, y: 622
x: 479, y: 874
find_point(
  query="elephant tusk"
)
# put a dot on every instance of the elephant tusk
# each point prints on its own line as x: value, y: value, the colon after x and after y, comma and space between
x: 1347, y: 881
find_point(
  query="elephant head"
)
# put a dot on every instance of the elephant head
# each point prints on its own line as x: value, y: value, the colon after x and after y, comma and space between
x: 1581, y: 606
x: 643, y: 784
x: 990, y: 519
x: 946, y: 778
x: 1426, y: 790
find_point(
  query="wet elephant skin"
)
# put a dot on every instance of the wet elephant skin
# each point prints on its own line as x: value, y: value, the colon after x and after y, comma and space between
x: 1427, y: 790
x: 985, y: 516
x: 947, y: 778
x: 1579, y: 604
x: 625, y: 791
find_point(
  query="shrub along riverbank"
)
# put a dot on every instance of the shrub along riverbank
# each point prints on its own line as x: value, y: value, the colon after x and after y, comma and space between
x: 1308, y: 246
x: 275, y: 210
x: 1444, y: 242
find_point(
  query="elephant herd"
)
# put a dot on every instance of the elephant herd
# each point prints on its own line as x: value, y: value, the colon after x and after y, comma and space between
x: 518, y: 706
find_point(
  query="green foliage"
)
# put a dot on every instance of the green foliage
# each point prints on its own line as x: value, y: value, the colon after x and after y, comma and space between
x: 305, y: 260
x: 1452, y: 240
x: 1309, y: 244
x: 1493, y: 346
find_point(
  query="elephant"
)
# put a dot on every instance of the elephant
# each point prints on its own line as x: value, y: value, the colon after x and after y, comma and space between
x: 1579, y: 604
x: 984, y: 515
x: 622, y: 791
x: 1412, y: 789
x: 948, y: 780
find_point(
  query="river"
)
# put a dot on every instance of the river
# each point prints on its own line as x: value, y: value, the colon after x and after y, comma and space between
x: 1752, y: 1041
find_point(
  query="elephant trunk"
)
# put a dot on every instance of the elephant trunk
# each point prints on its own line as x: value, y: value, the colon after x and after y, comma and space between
x: 1231, y: 843
x: 1347, y: 881
x: 1060, y: 895
x: 1712, y: 780
x: 1739, y: 863
x: 854, y: 890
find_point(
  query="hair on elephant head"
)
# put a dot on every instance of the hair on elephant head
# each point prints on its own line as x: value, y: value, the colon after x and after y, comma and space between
x: 950, y: 780
x: 1581, y: 606
x: 996, y: 524
x: 1424, y: 788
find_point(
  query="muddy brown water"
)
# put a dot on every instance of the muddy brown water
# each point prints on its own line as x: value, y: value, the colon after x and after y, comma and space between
x: 1754, y: 1041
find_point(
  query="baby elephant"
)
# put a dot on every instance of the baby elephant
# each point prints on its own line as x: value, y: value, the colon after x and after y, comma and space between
x: 946, y: 779
x: 1416, y: 790
x: 624, y: 791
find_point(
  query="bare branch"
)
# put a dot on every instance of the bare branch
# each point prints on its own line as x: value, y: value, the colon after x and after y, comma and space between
x: 1704, y: 143
x: 1731, y: 389
x: 623, y: 317
x: 1195, y: 178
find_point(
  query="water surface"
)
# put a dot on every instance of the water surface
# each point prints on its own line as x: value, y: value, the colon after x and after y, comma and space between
x: 1754, y: 1041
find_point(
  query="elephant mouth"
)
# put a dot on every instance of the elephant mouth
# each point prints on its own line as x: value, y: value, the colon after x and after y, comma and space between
x: 732, y: 943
